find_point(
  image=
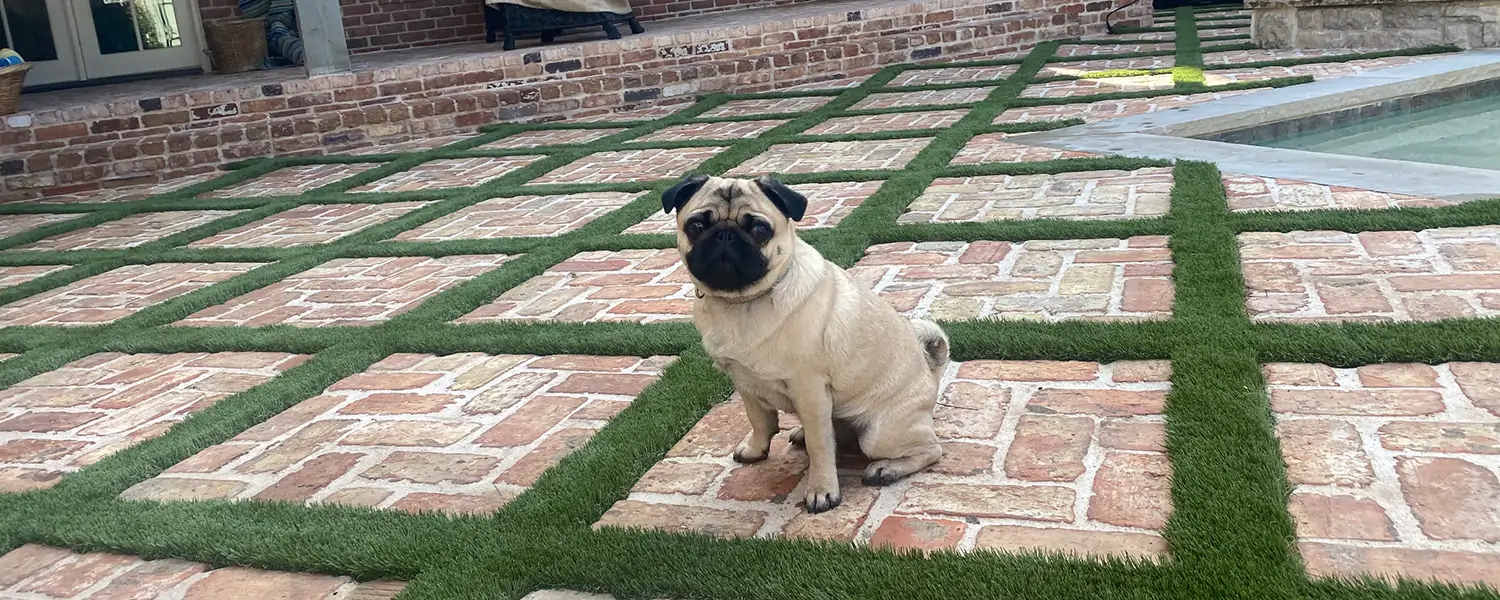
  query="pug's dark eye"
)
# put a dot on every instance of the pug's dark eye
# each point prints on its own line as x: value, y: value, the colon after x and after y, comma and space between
x: 761, y: 231
x: 693, y: 228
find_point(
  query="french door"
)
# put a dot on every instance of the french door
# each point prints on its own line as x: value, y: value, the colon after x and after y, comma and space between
x: 76, y: 40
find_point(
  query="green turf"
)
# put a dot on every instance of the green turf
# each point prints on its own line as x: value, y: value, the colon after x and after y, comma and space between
x: 1230, y: 534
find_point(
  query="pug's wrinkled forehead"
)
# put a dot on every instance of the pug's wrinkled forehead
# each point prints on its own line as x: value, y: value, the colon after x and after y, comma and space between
x: 728, y: 199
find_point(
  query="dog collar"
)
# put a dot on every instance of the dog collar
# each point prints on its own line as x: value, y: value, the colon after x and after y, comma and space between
x: 778, y: 281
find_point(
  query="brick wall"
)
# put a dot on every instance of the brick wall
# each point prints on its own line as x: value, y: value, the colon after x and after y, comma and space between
x: 649, y: 10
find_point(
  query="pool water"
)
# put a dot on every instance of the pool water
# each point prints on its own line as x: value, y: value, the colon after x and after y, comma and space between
x: 1460, y: 134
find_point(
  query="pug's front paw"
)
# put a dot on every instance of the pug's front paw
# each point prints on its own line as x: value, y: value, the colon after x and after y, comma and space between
x: 821, y: 500
x: 749, y: 454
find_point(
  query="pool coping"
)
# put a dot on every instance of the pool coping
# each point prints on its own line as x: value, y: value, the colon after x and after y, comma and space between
x: 1169, y: 134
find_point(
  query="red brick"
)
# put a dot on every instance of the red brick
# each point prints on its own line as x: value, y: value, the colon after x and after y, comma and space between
x: 1049, y: 448
x: 1328, y: 560
x: 1447, y: 437
x: 532, y: 420
x: 1010, y: 538
x: 922, y: 534
x: 551, y: 451
x: 454, y: 504
x: 1452, y: 498
x: 432, y: 467
x: 1132, y: 490
x: 1029, y: 370
x: 683, y: 519
x: 1357, y: 402
x: 1112, y: 403
x: 27, y: 560
x: 237, y: 582
x: 1040, y: 503
x: 301, y: 484
x: 69, y: 578
x: 1324, y: 453
x: 398, y: 404
x: 1397, y: 375
x: 1345, y: 517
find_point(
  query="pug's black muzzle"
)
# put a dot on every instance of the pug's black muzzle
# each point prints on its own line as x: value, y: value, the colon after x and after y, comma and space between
x: 726, y: 258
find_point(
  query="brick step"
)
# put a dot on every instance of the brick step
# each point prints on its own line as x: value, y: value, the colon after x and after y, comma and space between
x: 78, y: 140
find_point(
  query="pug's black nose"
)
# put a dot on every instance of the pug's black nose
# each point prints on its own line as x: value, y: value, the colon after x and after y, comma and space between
x: 724, y: 235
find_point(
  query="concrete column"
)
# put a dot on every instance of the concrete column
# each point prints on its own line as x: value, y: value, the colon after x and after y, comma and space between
x: 322, y: 24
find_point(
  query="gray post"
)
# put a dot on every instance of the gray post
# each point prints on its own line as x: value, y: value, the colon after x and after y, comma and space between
x: 322, y: 24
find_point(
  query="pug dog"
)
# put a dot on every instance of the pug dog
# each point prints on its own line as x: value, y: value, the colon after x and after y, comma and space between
x: 797, y: 334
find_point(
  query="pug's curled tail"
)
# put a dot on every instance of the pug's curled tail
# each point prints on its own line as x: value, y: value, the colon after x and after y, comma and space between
x: 934, y: 344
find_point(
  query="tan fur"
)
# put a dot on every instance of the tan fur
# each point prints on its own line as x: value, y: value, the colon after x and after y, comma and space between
x: 809, y: 340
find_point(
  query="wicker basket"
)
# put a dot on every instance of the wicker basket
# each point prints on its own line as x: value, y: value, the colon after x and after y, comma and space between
x: 236, y: 46
x: 11, y: 79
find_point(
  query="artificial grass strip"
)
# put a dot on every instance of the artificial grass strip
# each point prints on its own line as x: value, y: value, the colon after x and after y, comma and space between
x: 1230, y: 534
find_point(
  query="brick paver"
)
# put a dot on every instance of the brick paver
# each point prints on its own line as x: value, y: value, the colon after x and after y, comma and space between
x: 1141, y: 193
x: 549, y: 137
x: 128, y: 193
x: 130, y: 231
x: 1092, y: 112
x: 1070, y: 50
x: 827, y: 205
x: 1051, y: 280
x: 10, y: 276
x: 412, y: 145
x: 1236, y: 57
x: 61, y: 421
x: 627, y: 285
x: 463, y: 433
x: 520, y: 216
x: 1075, y: 68
x: 1100, y: 85
x: 1372, y: 276
x: 911, y: 77
x: 842, y: 83
x: 291, y: 181
x: 645, y: 114
x: 937, y: 119
x: 1147, y: 36
x: 728, y: 130
x: 448, y: 173
x: 14, y: 224
x: 1317, y: 70
x: 1224, y: 32
x: 1004, y: 147
x: 822, y: 157
x: 767, y: 106
x: 348, y: 292
x: 119, y: 293
x: 307, y: 225
x: 36, y: 572
x: 631, y: 165
x: 924, y: 98
x: 1395, y: 467
x: 1052, y: 456
x: 1251, y: 192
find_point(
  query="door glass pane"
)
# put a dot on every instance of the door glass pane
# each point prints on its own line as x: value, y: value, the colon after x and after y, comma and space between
x: 114, y: 26
x: 29, y: 28
x: 157, y: 21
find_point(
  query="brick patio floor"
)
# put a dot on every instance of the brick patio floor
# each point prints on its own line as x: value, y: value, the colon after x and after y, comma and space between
x: 937, y: 119
x: 1052, y: 456
x: 728, y: 130
x: 307, y: 225
x: 448, y: 173
x: 549, y: 137
x: 463, y: 433
x: 10, y: 276
x: 644, y: 286
x: 912, y: 77
x: 291, y: 181
x: 1394, y: 467
x: 631, y: 165
x: 14, y: 224
x: 927, y: 98
x: 520, y: 216
x: 130, y: 231
x: 1080, y: 195
x: 827, y: 205
x: 1372, y: 276
x: 1249, y: 192
x: 744, y: 108
x: 116, y: 294
x: 1047, y: 280
x: 822, y: 157
x: 33, y: 571
x: 1003, y: 147
x: 1108, y: 109
x: 61, y: 421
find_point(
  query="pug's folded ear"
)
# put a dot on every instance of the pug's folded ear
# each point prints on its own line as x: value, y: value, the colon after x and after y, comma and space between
x: 678, y: 195
x: 792, y: 204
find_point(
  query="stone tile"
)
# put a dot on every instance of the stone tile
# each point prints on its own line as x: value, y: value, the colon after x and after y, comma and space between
x: 1085, y: 195
x: 10, y: 276
x: 1072, y: 50
x: 1237, y: 57
x: 1004, y: 147
x: 448, y: 173
x: 912, y: 77
x: 644, y: 114
x: 1099, y: 85
x: 348, y: 292
x: 1046, y: 280
x: 767, y: 106
x: 1394, y: 467
x: 1077, y: 68
x: 129, y: 232
x: 827, y: 205
x: 550, y: 137
x: 292, y: 180
x: 61, y: 421
x: 823, y: 157
x: 129, y: 193
x: 520, y: 216
x: 308, y: 225
x: 412, y: 145
x: 924, y: 98
x: 622, y: 166
x: 1373, y: 276
x: 462, y: 433
x: 937, y: 119
x: 1251, y: 192
x: 45, y: 572
x: 727, y: 130
x: 1092, y: 112
x: 116, y: 294
x: 1025, y: 468
x: 16, y: 224
x: 643, y: 286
